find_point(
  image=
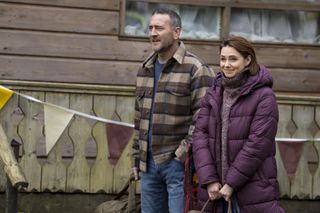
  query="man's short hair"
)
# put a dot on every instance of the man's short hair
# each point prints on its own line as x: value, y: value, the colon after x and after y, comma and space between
x: 174, y: 17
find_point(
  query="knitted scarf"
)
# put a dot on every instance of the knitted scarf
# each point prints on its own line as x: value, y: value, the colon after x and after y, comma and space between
x: 231, y: 93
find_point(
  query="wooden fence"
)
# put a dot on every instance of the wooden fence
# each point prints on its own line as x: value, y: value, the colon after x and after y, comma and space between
x: 301, y: 120
x: 79, y: 161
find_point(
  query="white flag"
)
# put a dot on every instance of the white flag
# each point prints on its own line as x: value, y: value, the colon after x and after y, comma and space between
x: 56, y: 120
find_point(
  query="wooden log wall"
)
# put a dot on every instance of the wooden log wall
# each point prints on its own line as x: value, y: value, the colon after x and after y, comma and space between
x: 71, y: 53
x: 79, y: 42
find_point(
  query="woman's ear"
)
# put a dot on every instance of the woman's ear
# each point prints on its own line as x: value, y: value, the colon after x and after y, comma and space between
x: 248, y: 60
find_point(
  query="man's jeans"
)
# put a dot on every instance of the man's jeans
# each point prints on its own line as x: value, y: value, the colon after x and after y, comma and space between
x: 162, y: 187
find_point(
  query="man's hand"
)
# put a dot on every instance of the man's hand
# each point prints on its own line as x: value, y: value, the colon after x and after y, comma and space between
x: 135, y: 172
x: 214, y: 190
x: 226, y: 192
x: 177, y: 159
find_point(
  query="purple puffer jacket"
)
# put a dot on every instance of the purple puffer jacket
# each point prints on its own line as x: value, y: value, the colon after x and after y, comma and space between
x: 253, y: 123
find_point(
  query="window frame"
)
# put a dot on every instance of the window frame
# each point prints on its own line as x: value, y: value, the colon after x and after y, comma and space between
x: 226, y: 8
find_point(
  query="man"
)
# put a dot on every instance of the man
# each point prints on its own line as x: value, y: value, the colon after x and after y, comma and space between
x: 169, y: 87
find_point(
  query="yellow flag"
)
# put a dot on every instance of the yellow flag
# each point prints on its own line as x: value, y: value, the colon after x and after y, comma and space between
x: 5, y: 95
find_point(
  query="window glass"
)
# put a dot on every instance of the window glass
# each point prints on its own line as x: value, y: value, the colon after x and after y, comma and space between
x: 276, y: 26
x: 198, y: 22
x: 283, y: 1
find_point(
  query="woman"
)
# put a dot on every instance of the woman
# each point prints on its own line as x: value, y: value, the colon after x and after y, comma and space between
x: 234, y: 138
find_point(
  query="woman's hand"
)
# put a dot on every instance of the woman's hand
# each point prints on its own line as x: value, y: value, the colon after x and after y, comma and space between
x: 226, y: 192
x: 214, y: 190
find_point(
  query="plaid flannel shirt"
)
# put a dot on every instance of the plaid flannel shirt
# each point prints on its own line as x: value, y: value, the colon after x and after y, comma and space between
x: 182, y: 84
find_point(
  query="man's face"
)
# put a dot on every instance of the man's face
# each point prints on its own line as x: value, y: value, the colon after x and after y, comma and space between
x: 162, y: 35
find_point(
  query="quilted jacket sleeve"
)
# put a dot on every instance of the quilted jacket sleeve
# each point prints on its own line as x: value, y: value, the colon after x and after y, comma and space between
x: 203, y: 159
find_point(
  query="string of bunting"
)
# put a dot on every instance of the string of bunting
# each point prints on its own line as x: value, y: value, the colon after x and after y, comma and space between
x: 57, y: 118
x: 119, y: 133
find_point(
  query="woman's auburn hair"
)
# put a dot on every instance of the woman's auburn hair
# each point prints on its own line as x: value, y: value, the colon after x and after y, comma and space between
x: 245, y: 48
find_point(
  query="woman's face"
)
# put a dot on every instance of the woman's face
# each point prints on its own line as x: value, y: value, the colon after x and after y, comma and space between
x: 232, y: 62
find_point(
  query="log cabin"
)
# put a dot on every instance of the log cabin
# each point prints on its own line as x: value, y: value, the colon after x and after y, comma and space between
x: 84, y: 55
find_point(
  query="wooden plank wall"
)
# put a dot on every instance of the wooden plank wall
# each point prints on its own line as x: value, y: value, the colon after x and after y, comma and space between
x: 80, y: 42
x: 71, y: 53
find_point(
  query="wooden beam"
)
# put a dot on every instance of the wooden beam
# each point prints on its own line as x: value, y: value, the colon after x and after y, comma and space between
x: 16, y: 42
x: 44, y: 18
x: 296, y: 80
x: 11, y: 166
x: 277, y: 5
x: 92, y: 89
x: 96, y: 4
x: 68, y: 70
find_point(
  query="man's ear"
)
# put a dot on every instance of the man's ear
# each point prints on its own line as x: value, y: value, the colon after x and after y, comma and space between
x: 177, y: 32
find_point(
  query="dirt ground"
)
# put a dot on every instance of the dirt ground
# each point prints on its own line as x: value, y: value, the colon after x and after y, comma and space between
x: 86, y: 203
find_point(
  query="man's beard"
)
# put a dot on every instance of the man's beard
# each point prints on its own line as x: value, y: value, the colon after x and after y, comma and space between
x: 165, y: 47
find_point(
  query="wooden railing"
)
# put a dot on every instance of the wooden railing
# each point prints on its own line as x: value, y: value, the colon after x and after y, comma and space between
x: 300, y: 123
x: 79, y: 161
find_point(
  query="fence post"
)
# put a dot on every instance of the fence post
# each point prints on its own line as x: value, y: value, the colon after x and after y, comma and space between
x: 15, y: 176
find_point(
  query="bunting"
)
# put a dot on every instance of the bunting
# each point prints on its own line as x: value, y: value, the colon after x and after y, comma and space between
x: 290, y: 153
x: 56, y: 120
x: 119, y: 133
x: 5, y: 95
x: 118, y: 137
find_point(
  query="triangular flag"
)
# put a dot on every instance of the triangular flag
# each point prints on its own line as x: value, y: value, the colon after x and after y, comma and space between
x: 5, y: 95
x: 118, y: 137
x: 290, y: 153
x: 56, y: 120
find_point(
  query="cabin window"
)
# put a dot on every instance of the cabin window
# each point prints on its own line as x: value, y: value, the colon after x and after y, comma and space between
x: 264, y: 21
x: 276, y: 25
x: 198, y: 22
